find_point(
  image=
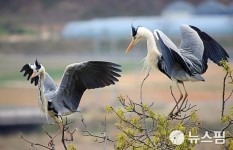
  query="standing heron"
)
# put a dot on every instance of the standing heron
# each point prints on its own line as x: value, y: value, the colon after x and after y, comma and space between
x: 62, y: 100
x: 186, y: 63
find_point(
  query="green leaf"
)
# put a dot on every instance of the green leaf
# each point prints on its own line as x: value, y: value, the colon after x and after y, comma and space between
x: 225, y: 118
x: 151, y: 114
x: 226, y: 66
x: 193, y: 116
x: 71, y: 147
x: 134, y: 121
x: 108, y: 109
x: 194, y: 131
x: 120, y: 112
x: 129, y: 108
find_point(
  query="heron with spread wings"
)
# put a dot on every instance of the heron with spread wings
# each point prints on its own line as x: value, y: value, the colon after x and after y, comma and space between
x: 57, y: 101
x: 186, y: 63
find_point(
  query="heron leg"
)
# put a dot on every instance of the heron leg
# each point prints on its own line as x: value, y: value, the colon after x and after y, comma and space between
x: 185, y: 96
x: 181, y: 97
x: 186, y: 93
x: 181, y: 94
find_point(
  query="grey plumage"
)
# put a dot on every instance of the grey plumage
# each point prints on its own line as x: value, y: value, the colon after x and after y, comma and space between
x: 190, y: 59
x: 212, y: 49
x: 186, y: 63
x: 77, y: 78
x: 171, y: 56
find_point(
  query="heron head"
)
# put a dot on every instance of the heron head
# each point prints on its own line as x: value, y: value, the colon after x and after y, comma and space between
x: 33, y: 71
x: 136, y: 37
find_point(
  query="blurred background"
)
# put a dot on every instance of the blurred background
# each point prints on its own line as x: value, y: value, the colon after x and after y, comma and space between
x: 61, y: 32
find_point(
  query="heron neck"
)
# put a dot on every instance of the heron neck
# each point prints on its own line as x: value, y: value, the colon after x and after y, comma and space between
x: 151, y: 44
x: 41, y: 81
x: 43, y: 104
x: 152, y: 50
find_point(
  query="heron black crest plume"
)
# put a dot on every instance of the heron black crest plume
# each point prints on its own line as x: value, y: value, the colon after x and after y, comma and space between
x: 37, y: 64
x: 134, y: 31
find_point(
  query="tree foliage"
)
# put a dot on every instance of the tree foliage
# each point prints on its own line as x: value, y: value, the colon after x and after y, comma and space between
x: 141, y: 127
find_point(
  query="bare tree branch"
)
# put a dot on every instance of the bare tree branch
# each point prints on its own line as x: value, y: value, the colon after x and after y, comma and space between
x: 223, y: 94
x: 98, y: 138
x: 51, y: 145
x: 143, y: 111
x: 229, y: 122
x: 36, y: 144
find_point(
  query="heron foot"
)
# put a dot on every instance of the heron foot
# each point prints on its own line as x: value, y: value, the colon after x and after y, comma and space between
x: 171, y: 114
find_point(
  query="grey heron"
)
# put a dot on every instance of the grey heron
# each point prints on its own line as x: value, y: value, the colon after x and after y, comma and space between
x: 186, y: 63
x: 62, y: 100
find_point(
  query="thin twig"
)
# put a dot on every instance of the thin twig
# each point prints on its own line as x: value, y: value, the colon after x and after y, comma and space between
x: 205, y: 129
x: 103, y: 138
x: 36, y: 144
x: 128, y: 122
x: 229, y: 96
x: 104, y: 132
x: 223, y: 94
x: 47, y: 132
x: 143, y: 111
x: 71, y: 135
x: 147, y: 75
x: 63, y: 137
x: 227, y: 126
x: 65, y: 131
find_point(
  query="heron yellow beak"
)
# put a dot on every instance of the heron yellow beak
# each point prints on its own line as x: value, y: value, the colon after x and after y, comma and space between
x: 34, y: 74
x: 132, y: 43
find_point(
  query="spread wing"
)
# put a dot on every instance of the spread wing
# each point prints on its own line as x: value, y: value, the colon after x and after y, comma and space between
x: 192, y: 48
x: 212, y: 49
x: 87, y: 75
x: 170, y: 55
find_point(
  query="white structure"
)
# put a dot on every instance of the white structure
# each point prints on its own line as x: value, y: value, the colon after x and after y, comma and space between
x: 120, y: 27
x: 179, y: 7
x: 211, y: 7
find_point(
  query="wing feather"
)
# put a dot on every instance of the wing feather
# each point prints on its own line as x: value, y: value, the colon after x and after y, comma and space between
x: 191, y: 48
x: 212, y: 49
x: 170, y: 55
x: 87, y: 75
